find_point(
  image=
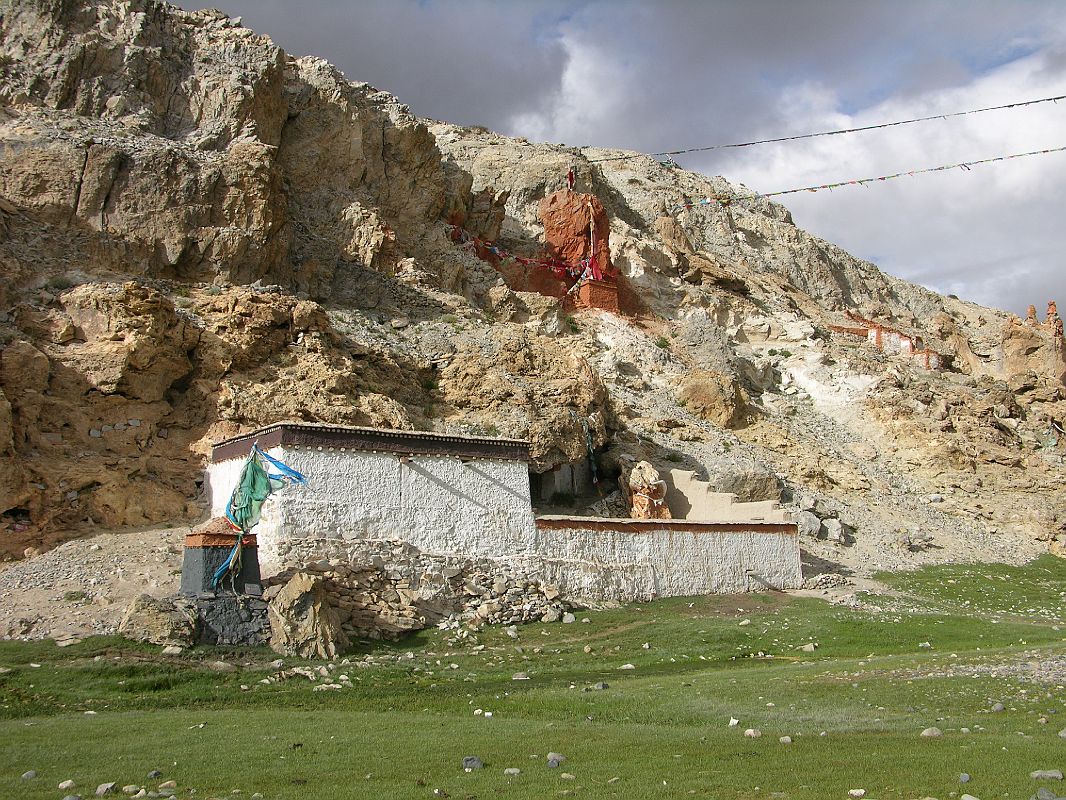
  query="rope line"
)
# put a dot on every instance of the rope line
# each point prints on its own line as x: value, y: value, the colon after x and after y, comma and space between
x: 669, y: 153
x: 862, y: 181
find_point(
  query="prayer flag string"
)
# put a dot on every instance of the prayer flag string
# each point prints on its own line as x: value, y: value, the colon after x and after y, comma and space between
x: 668, y: 153
x: 965, y: 165
x: 560, y: 268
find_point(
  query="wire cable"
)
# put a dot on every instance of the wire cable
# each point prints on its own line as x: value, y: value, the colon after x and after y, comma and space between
x: 896, y: 123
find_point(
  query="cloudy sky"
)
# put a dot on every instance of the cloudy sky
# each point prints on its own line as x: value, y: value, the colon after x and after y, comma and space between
x: 653, y: 76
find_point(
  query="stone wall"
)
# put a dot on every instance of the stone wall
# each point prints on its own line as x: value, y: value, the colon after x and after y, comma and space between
x: 423, y: 521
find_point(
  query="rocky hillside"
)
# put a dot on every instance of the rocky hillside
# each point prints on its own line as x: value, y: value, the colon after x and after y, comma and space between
x: 201, y: 234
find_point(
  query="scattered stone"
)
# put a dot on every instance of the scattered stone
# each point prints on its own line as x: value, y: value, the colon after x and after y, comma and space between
x: 131, y: 789
x: 997, y: 707
x: 627, y: 666
x: 520, y: 676
x: 155, y: 773
x: 512, y: 631
x: 512, y: 771
x: 964, y: 777
x: 810, y: 647
x: 173, y: 650
x: 785, y: 740
x: 599, y: 687
x: 968, y: 797
x: 568, y: 618
x: 470, y: 763
x: 168, y: 785
x: 856, y: 793
x: 1046, y: 775
x: 1043, y: 793
x: 555, y: 759
x: 222, y: 666
x: 566, y: 776
x: 932, y: 733
x: 753, y: 733
x: 105, y: 789
x: 744, y: 623
x: 29, y: 775
x: 66, y: 785
x: 733, y: 722
x: 72, y: 797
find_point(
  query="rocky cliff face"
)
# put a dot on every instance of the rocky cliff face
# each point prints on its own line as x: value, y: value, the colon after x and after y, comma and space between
x: 201, y: 234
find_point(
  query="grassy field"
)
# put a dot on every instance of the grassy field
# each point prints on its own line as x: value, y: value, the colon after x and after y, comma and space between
x: 940, y: 648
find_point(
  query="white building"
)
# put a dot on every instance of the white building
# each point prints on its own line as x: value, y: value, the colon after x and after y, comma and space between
x: 459, y: 497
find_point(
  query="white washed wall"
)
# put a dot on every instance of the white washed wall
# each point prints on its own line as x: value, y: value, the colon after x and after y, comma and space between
x: 481, y: 511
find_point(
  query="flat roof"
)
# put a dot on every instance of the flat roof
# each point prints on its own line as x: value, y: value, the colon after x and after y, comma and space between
x: 380, y: 440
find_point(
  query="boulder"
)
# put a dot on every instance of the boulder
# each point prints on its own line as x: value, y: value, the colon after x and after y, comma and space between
x: 163, y: 621
x: 749, y: 484
x: 302, y: 623
x: 715, y: 397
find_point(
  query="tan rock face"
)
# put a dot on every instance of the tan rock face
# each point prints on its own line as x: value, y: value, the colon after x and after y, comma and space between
x: 533, y: 388
x: 112, y: 425
x: 1033, y: 348
x: 302, y: 623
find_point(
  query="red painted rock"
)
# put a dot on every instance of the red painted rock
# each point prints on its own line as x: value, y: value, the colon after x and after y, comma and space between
x: 574, y: 223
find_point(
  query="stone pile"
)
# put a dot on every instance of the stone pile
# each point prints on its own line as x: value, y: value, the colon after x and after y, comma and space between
x: 510, y: 600
x: 366, y: 601
x: 379, y: 597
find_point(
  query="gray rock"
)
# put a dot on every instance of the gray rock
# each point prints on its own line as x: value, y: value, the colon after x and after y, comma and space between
x: 1043, y: 793
x: 932, y: 733
x: 568, y: 618
x: 748, y: 483
x: 72, y: 797
x: 997, y: 707
x: 785, y: 740
x: 964, y: 777
x: 512, y: 771
x: 520, y: 676
x: 155, y: 773
x: 555, y: 759
x: 471, y: 763
x: 809, y: 524
x: 968, y: 797
x: 67, y: 785
x: 105, y: 789
x: 1046, y: 775
x: 1062, y: 733
x: 599, y: 687
x: 29, y: 775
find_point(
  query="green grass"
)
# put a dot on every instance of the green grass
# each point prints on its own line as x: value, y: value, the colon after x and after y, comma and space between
x: 661, y: 729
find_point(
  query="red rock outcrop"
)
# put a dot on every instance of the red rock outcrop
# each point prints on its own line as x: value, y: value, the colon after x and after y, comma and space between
x: 576, y: 227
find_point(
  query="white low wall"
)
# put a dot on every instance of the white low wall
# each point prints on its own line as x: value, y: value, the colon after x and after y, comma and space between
x: 480, y: 510
x: 624, y: 559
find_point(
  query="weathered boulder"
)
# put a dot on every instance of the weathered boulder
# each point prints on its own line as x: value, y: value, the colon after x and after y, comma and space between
x: 714, y: 397
x: 163, y: 621
x: 749, y: 483
x: 302, y: 622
